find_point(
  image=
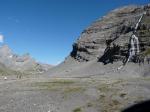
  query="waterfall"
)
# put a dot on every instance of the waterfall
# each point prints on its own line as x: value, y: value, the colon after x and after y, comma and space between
x: 134, y: 43
x: 137, y: 44
x: 137, y: 24
x: 134, y: 47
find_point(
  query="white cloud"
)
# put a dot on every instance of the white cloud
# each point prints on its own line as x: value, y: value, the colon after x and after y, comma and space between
x: 1, y: 38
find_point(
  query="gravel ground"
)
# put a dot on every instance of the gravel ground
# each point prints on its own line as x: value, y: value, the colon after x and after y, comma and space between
x: 92, y: 94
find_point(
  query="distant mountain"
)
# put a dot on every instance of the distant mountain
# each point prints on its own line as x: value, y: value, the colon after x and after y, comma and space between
x: 24, y: 63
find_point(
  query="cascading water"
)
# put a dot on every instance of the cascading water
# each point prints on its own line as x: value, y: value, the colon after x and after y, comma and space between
x: 137, y: 24
x: 134, y: 48
x: 134, y: 44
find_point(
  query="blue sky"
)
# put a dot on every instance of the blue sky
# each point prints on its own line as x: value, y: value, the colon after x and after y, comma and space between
x: 47, y: 28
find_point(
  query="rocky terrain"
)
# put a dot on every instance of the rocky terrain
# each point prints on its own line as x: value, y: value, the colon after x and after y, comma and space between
x: 103, y: 94
x: 84, y: 83
x: 84, y: 63
x: 115, y: 28
x: 113, y: 32
x: 23, y: 64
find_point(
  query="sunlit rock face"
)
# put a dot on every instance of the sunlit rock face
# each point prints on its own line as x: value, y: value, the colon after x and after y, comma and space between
x: 117, y: 26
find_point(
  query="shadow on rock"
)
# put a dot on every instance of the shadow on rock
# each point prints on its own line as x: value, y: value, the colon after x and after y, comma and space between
x: 108, y: 56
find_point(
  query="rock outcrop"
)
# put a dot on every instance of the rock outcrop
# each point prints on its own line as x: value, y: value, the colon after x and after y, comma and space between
x: 114, y: 29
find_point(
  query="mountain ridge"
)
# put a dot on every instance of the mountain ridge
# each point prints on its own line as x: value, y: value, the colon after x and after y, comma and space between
x: 22, y: 63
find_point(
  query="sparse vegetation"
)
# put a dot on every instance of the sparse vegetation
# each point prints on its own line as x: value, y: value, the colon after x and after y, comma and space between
x: 55, y: 84
x: 147, y: 52
x: 104, y: 88
x: 109, y: 99
x: 77, y: 109
x: 89, y: 104
x: 73, y: 89
x: 115, y: 102
x: 122, y: 95
x: 5, y: 72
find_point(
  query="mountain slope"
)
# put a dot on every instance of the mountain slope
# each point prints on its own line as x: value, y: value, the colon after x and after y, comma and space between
x: 22, y: 63
x: 116, y: 29
x: 117, y: 26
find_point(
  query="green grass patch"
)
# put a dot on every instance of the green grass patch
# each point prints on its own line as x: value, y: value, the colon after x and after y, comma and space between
x: 147, y: 52
x: 146, y: 20
x: 122, y: 95
x: 77, y: 109
x: 62, y: 81
x: 6, y: 72
x: 73, y: 89
x: 104, y: 88
x: 53, y: 84
x: 89, y: 104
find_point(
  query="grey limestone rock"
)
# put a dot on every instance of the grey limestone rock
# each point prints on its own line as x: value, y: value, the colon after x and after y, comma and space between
x: 117, y: 27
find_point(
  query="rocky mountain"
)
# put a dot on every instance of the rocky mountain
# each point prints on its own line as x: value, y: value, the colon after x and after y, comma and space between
x: 115, y: 28
x: 104, y: 46
x: 24, y: 63
x: 95, y: 77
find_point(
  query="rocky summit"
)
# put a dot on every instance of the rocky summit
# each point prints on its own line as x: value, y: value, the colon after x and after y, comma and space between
x: 24, y: 63
x: 115, y: 29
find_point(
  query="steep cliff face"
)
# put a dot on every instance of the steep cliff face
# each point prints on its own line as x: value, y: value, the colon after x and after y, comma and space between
x: 115, y: 29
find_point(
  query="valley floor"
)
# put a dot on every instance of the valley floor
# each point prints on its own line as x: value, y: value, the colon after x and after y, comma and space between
x: 97, y: 94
